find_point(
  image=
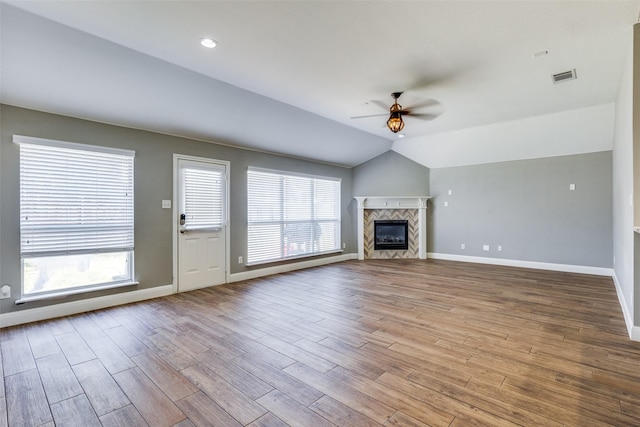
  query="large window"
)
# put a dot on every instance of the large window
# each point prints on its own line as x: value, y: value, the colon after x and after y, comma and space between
x: 76, y: 216
x: 291, y: 215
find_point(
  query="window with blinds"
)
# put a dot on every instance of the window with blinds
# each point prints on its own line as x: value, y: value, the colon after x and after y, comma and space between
x: 291, y: 216
x: 76, y: 215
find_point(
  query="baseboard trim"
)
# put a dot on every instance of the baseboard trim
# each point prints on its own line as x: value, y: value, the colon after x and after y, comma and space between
x: 567, y: 268
x: 81, y: 306
x: 628, y: 318
x: 284, y: 268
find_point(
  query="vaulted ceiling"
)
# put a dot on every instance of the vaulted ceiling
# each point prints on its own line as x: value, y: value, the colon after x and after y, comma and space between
x: 287, y: 76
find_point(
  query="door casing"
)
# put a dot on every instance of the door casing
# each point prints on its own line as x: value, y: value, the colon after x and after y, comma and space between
x: 176, y: 211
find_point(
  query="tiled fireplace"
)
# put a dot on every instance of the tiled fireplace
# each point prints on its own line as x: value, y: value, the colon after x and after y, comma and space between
x: 411, y: 209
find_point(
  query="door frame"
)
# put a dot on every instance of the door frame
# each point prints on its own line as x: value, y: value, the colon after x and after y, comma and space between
x: 175, y: 215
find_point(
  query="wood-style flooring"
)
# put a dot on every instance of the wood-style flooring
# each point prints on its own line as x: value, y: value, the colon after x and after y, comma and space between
x: 360, y: 343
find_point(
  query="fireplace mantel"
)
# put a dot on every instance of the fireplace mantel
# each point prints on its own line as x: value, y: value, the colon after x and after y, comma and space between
x: 394, y: 202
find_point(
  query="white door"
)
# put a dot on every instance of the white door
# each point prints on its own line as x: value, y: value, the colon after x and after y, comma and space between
x: 201, y: 212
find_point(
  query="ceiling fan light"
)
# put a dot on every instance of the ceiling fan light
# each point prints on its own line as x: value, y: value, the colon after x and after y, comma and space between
x: 395, y: 122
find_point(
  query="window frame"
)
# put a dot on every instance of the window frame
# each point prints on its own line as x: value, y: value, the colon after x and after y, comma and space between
x: 283, y: 221
x: 126, y: 248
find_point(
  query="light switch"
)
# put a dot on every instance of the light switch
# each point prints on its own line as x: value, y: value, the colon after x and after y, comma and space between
x: 572, y: 187
x: 449, y: 192
x: 166, y: 204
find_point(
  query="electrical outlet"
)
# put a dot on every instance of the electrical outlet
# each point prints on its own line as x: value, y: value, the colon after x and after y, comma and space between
x: 449, y: 192
x: 572, y: 187
x: 240, y: 260
x: 344, y: 245
x: 166, y: 204
x: 446, y: 204
x: 485, y: 247
x: 463, y: 246
x: 499, y: 248
x: 5, y: 292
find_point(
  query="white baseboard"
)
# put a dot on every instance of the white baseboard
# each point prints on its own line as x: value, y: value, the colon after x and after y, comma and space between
x: 634, y: 331
x: 567, y: 268
x: 261, y: 272
x: 81, y: 306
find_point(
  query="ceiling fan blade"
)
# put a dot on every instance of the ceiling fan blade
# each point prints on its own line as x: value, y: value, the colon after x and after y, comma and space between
x: 421, y: 116
x: 372, y: 115
x: 423, y: 104
x: 380, y: 104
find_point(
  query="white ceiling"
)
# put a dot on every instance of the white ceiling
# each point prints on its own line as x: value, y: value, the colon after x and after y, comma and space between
x: 139, y: 64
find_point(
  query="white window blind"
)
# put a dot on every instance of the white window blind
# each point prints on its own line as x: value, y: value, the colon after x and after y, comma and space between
x: 291, y: 215
x: 203, y: 197
x: 74, y: 198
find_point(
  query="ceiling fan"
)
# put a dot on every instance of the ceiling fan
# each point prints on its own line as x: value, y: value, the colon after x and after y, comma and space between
x: 395, y: 122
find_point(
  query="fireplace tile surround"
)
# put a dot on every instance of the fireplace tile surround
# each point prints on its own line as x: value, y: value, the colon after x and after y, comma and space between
x: 411, y: 208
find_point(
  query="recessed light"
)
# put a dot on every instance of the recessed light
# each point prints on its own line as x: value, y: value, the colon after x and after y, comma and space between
x: 209, y: 43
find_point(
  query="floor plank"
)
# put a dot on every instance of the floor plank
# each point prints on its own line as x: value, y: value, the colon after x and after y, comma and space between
x: 236, y: 403
x: 290, y: 411
x: 74, y: 348
x: 74, y: 412
x: 169, y: 380
x: 156, y: 408
x: 127, y: 416
x: 101, y: 389
x: 58, y: 379
x: 26, y: 402
x: 203, y: 411
x: 16, y: 356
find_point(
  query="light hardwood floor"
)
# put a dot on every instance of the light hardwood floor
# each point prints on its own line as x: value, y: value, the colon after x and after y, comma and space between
x: 384, y: 342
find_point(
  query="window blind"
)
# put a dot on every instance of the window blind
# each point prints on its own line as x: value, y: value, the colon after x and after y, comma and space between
x: 291, y: 215
x: 74, y: 198
x: 203, y: 197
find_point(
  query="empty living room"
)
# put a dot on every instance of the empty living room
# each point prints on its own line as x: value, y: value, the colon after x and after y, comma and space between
x: 319, y: 213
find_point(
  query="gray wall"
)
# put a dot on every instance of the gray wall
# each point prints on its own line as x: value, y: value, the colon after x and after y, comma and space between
x: 153, y: 183
x: 636, y: 164
x: 390, y: 174
x: 526, y: 207
x: 623, y: 188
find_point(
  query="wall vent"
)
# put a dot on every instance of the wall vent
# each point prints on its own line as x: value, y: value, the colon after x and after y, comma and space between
x: 565, y: 76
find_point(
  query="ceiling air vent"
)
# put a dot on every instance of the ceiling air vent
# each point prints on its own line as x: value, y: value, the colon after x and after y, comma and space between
x: 565, y: 76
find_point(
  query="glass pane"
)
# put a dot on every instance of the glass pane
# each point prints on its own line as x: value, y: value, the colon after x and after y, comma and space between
x: 45, y: 274
x: 265, y: 243
x: 326, y: 236
x: 299, y: 238
x: 298, y: 198
x: 264, y: 197
x: 203, y: 191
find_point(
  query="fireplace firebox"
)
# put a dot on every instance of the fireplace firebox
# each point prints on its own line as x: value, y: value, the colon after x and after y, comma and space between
x: 391, y: 234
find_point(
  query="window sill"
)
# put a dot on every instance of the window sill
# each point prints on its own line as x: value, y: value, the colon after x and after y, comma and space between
x: 76, y: 291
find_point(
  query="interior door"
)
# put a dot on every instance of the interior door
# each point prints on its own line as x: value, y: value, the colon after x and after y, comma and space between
x: 201, y: 209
